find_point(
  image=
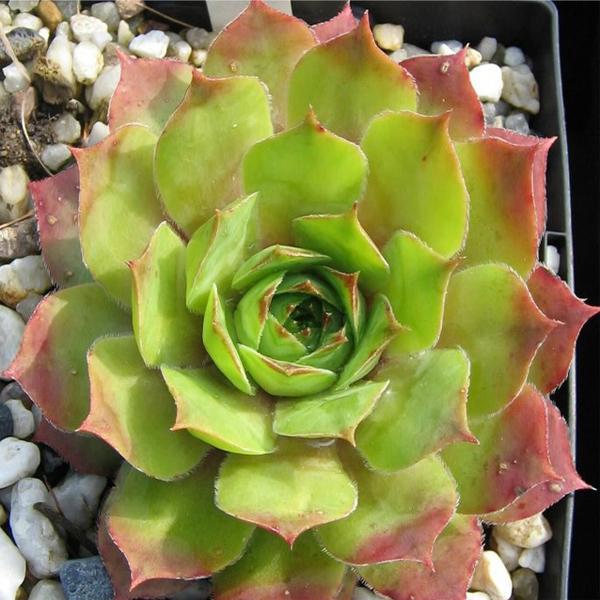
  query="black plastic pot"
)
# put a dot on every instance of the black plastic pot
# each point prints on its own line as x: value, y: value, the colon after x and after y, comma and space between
x: 533, y: 26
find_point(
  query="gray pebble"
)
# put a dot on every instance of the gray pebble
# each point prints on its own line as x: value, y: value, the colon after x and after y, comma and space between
x: 18, y: 459
x: 489, y: 112
x: 108, y: 13
x: 517, y: 121
x: 68, y: 7
x: 13, y: 390
x: 54, y: 156
x: 513, y: 56
x: 23, y: 423
x: 25, y: 42
x: 86, y: 579
x: 23, y: 5
x: 12, y: 328
x: 502, y: 108
x: 26, y: 306
x: 66, y: 128
x: 6, y: 422
x: 446, y: 47
x: 78, y: 497
x: 525, y: 585
x: 487, y: 48
x: 18, y: 240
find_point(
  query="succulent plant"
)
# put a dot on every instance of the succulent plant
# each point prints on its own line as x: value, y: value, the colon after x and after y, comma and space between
x: 298, y: 294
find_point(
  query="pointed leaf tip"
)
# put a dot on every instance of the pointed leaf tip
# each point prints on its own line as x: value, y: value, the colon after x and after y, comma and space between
x: 341, y: 23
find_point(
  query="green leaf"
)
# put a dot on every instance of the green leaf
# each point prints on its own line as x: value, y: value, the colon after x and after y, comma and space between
x: 225, y: 418
x: 121, y: 390
x: 416, y: 290
x: 419, y: 186
x: 333, y: 350
x: 166, y: 333
x: 287, y: 492
x: 199, y: 152
x: 423, y: 409
x: 302, y: 171
x: 281, y: 378
x: 277, y: 342
x: 217, y: 334
x: 331, y: 414
x: 308, y: 283
x: 343, y: 239
x: 118, y: 207
x: 216, y: 251
x: 173, y: 530
x: 348, y: 81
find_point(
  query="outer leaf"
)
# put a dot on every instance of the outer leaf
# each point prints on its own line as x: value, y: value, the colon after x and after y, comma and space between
x: 419, y: 186
x: 302, y: 171
x: 118, y: 210
x: 455, y: 555
x: 263, y: 42
x: 173, y: 530
x: 348, y: 81
x: 511, y: 458
x: 343, y: 22
x: 398, y: 516
x: 502, y: 223
x: 218, y: 120
x: 54, y: 373
x: 148, y: 91
x: 165, y: 332
x: 490, y: 313
x: 541, y: 496
x: 423, y: 409
x: 331, y: 414
x: 552, y: 361
x: 286, y: 492
x: 210, y: 410
x: 444, y: 84
x: 56, y: 202
x: 343, y: 239
x: 270, y: 570
x: 122, y: 389
x: 416, y: 290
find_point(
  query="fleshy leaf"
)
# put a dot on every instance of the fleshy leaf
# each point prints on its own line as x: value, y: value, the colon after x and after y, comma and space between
x: 225, y: 418
x: 302, y: 171
x: 331, y: 414
x: 54, y: 373
x: 419, y: 186
x: 398, y: 516
x: 119, y: 210
x: 148, y: 91
x: 332, y: 353
x: 455, y: 555
x: 491, y: 315
x: 166, y: 333
x: 216, y: 251
x: 307, y: 283
x: 56, y: 202
x: 218, y: 120
x: 502, y: 217
x: 423, y: 409
x: 263, y: 42
x: 551, y: 364
x: 343, y: 239
x: 416, y: 290
x: 511, y: 458
x: 343, y: 22
x: 347, y: 81
x: 121, y: 389
x: 218, y: 339
x: 277, y: 342
x: 173, y: 530
x: 270, y: 569
x: 286, y: 492
x: 541, y: 496
x: 444, y: 84
x: 281, y: 378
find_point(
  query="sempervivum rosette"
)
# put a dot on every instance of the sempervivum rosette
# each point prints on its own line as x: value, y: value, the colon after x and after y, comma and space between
x: 301, y: 301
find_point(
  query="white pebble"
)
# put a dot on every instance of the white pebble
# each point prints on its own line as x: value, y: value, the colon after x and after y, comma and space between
x: 472, y: 57
x: 199, y: 38
x: 87, y: 62
x: 18, y: 459
x: 487, y: 47
x: 389, y: 37
x: 64, y: 29
x: 487, y: 82
x: 182, y: 50
x: 98, y: 132
x: 25, y: 19
x: 23, y: 5
x: 153, y: 44
x: 399, y: 55
x: 13, y: 185
x: 11, y: 333
x: 67, y: 129
x: 23, y: 423
x: 54, y: 156
x: 477, y: 596
x: 412, y: 50
x: 124, y: 34
x: 44, y: 32
x: 5, y: 18
x: 361, y: 593
x: 103, y: 88
x: 552, y: 258
x: 534, y: 559
x: 108, y: 13
x: 520, y: 88
x: 83, y: 26
x: 47, y: 590
x: 60, y: 53
x: 101, y: 39
x: 492, y: 577
x: 12, y: 568
x: 22, y: 276
x: 446, y: 47
x: 35, y: 536
x: 15, y: 79
x: 509, y: 553
x: 526, y: 533
x: 513, y: 56
x: 78, y: 497
x: 198, y: 57
x: 26, y: 307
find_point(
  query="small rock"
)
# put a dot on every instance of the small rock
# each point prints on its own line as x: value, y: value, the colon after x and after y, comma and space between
x: 98, y: 132
x: 198, y: 38
x: 492, y: 577
x: 15, y: 79
x: 101, y: 39
x: 517, y: 121
x: 487, y: 48
x: 78, y: 497
x: 153, y: 44
x: 19, y: 239
x: 23, y: 424
x: 83, y: 26
x: 22, y: 276
x: 11, y: 333
x: 498, y: 122
x: 173, y: 38
x: 520, y: 88
x: 100, y: 93
x: 399, y: 55
x: 526, y: 533
x: 388, y: 36
x: 50, y: 14
x: 25, y: 43
x: 27, y: 20
x: 487, y: 82
x: 86, y: 579
x: 361, y: 593
x: 182, y: 51
x: 6, y: 422
x: 124, y: 34
x: 13, y: 391
x: 63, y: 29
x: 47, y: 590
x: 502, y: 108
x: 35, y: 536
x: 534, y: 559
x: 54, y: 156
x: 477, y: 596
x: 26, y: 307
x: 446, y: 47
x: 525, y: 585
x: 69, y: 7
x: 489, y: 112
x: 5, y: 16
x: 552, y: 258
x: 513, y: 56
x: 56, y: 71
x: 108, y: 13
x: 12, y: 568
x: 44, y: 33
x: 67, y: 129
x: 412, y: 50
x: 472, y: 58
x: 129, y: 8
x: 23, y: 5
x: 198, y: 57
x: 87, y: 62
x: 509, y: 553
x: 18, y: 459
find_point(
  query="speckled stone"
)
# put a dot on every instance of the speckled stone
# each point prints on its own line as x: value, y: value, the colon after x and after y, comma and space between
x: 86, y: 579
